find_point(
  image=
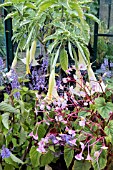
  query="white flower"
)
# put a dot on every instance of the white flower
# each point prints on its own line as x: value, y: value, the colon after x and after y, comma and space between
x: 104, y: 147
x: 82, y: 67
x: 64, y: 80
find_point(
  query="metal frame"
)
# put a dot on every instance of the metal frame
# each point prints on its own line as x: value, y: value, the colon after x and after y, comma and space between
x: 8, y: 40
x: 96, y: 34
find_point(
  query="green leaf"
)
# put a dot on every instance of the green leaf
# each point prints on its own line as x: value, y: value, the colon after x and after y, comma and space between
x: 103, y: 108
x: 6, y: 4
x: 46, y: 159
x: 15, y: 159
x: 81, y: 165
x: 5, y: 120
x: 64, y: 59
x: 29, y: 37
x: 7, y: 167
x: 23, y: 136
x: 68, y: 155
x: 2, y: 88
x: 92, y: 17
x: 75, y: 6
x: 84, y: 113
x: 102, y: 161
x: 56, y: 58
x: 45, y: 5
x: 81, y: 51
x: 5, y: 107
x: 0, y: 167
x: 30, y: 5
x: 10, y: 15
x: 51, y: 46
x: 41, y: 131
x: 34, y: 156
x: 51, y: 148
x: 11, y: 162
x: 29, y: 168
x: 70, y: 50
x: 109, y: 131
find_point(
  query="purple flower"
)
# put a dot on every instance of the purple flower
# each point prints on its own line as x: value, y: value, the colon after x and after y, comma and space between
x: 42, y: 106
x: 111, y: 64
x: 103, y: 67
x: 82, y: 146
x: 88, y: 156
x: 97, y: 154
x: 41, y: 149
x: 1, y: 64
x: 42, y: 144
x: 53, y: 139
x: 5, y: 153
x: 38, y: 76
x: 14, y: 82
x: 72, y: 142
x: 66, y: 138
x: 79, y: 156
x: 106, y: 61
x: 82, y: 122
x: 34, y: 136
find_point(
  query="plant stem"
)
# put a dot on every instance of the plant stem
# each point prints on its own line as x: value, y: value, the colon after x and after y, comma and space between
x: 27, y: 150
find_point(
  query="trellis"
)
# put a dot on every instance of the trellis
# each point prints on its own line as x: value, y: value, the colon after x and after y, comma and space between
x: 109, y: 5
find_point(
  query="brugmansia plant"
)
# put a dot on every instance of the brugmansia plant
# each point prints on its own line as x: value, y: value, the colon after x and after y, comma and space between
x: 59, y: 25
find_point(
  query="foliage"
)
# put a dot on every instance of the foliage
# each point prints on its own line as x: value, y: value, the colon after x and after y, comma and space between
x: 77, y: 126
x: 68, y: 125
x: 104, y: 44
x: 59, y: 26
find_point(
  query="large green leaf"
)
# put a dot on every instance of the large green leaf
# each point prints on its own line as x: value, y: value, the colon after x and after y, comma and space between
x: 7, y: 167
x: 84, y: 113
x: 75, y: 6
x: 109, y: 131
x: 5, y: 107
x: 68, y: 155
x: 11, y: 162
x: 92, y: 17
x: 51, y: 46
x: 46, y: 159
x: 5, y: 120
x: 64, y: 59
x: 81, y: 165
x: 103, y: 108
x: 102, y: 161
x: 23, y: 136
x: 34, y: 156
x: 41, y: 131
x: 15, y: 159
x: 45, y: 5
